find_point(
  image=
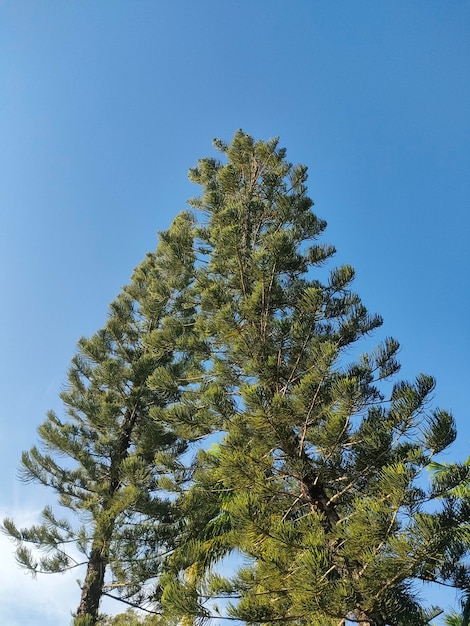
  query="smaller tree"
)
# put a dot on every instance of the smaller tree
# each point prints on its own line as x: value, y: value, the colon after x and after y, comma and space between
x: 451, y: 483
x: 132, y: 618
x: 101, y: 459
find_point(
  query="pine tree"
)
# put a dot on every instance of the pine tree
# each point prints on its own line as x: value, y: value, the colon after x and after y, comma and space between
x: 451, y: 483
x: 132, y: 618
x: 107, y: 458
x: 317, y: 479
x: 314, y: 469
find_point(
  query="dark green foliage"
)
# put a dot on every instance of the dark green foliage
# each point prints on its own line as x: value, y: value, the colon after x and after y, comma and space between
x: 452, y: 483
x: 100, y: 459
x: 132, y: 618
x: 316, y: 479
x: 311, y: 477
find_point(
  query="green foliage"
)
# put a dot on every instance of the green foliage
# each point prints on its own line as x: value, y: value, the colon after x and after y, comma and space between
x: 316, y: 480
x: 227, y: 412
x: 451, y: 482
x: 100, y: 458
x: 132, y: 618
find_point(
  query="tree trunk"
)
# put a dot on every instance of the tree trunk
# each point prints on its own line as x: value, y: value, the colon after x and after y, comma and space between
x: 92, y: 589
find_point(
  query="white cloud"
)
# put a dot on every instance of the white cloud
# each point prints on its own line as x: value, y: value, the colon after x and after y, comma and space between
x: 24, y: 601
x: 48, y: 599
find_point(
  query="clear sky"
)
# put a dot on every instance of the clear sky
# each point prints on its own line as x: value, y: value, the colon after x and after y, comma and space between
x: 105, y: 105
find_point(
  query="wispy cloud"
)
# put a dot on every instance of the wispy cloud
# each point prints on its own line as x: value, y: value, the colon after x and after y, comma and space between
x: 48, y: 599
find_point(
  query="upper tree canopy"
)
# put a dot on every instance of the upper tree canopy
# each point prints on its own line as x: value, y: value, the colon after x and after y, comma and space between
x: 316, y: 480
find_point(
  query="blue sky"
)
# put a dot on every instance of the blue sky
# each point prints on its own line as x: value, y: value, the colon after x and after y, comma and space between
x: 105, y: 105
